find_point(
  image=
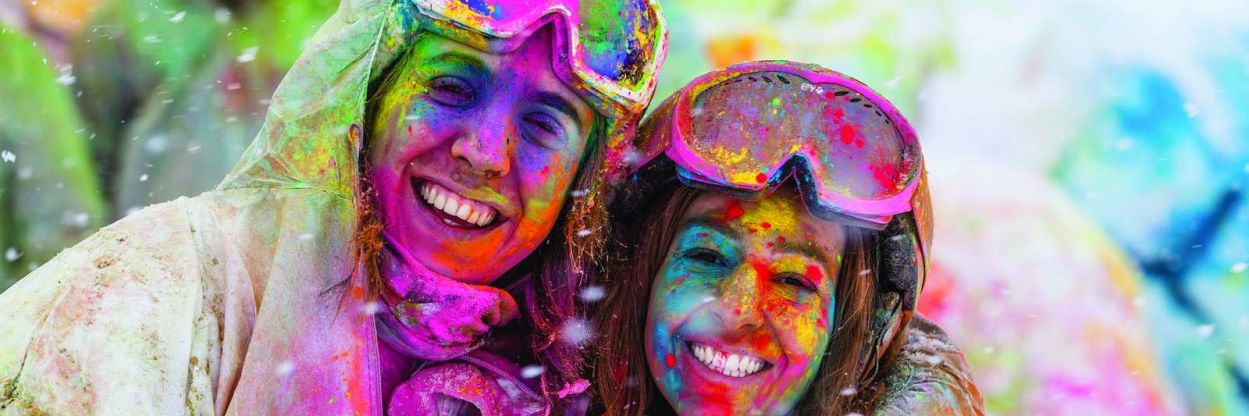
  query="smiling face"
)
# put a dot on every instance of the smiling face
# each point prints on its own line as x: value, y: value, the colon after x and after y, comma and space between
x: 740, y: 310
x: 473, y: 154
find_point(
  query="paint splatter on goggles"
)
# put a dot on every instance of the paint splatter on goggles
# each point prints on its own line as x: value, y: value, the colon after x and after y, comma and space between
x: 747, y: 128
x: 608, y: 50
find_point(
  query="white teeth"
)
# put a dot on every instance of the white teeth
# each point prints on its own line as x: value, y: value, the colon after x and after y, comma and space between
x: 453, y: 205
x: 465, y: 209
x: 732, y: 365
x: 486, y: 217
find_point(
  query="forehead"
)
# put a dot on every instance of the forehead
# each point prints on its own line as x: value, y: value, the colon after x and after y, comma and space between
x: 527, y: 70
x: 781, y: 214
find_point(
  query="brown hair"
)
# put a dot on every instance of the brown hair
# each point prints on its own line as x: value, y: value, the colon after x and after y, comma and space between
x: 620, y: 371
x: 553, y: 273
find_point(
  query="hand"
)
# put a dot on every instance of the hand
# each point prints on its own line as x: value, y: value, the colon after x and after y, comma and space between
x: 442, y: 318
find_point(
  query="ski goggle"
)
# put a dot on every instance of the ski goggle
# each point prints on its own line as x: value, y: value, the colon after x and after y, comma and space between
x: 608, y: 50
x: 746, y: 128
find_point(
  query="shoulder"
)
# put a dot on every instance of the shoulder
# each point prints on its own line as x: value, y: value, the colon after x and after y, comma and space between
x: 107, y: 322
x: 930, y: 375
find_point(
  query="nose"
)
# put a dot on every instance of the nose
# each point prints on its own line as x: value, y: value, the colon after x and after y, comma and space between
x: 486, y: 146
x: 740, y: 299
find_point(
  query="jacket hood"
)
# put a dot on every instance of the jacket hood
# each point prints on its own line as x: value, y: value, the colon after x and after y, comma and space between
x: 306, y: 139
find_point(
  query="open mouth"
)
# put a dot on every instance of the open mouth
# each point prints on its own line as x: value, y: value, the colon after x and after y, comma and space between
x: 729, y: 364
x: 453, y: 209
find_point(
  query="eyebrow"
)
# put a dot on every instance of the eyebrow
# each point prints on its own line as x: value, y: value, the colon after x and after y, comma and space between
x: 458, y: 58
x: 804, y: 250
x: 716, y: 226
x: 557, y: 102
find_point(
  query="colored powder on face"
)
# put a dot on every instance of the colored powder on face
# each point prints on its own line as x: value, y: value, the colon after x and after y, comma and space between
x: 766, y: 225
x: 762, y: 271
x: 671, y: 360
x: 782, y: 215
x: 814, y: 273
x: 732, y: 211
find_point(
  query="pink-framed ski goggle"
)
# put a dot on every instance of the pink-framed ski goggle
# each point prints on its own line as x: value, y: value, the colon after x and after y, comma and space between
x: 608, y: 50
x: 745, y: 128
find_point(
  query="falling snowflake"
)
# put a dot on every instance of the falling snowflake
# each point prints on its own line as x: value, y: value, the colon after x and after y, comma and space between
x: 371, y: 308
x: 592, y: 294
x: 583, y: 233
x: 143, y: 178
x: 77, y: 219
x: 531, y: 371
x: 177, y: 17
x: 285, y: 368
x: 11, y: 255
x: 65, y: 74
x: 893, y: 83
x: 1205, y: 331
x: 575, y: 332
x: 248, y: 55
x: 8, y: 156
x: 222, y: 15
x: 848, y: 391
x: 1238, y: 267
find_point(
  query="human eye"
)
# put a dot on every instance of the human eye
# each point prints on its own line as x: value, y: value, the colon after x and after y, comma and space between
x: 795, y: 280
x: 452, y: 91
x: 706, y: 257
x: 543, y: 129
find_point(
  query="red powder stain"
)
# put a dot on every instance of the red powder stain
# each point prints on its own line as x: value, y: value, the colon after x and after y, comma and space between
x: 759, y: 341
x: 770, y: 244
x: 780, y: 239
x: 836, y: 113
x: 357, y: 292
x: 733, y: 211
x: 751, y: 230
x: 765, y: 225
x: 546, y: 170
x: 671, y: 360
x: 858, y: 143
x: 814, y: 273
x: 828, y: 95
x: 761, y: 270
x: 885, y: 175
x: 411, y: 130
x: 846, y: 133
x: 761, y: 178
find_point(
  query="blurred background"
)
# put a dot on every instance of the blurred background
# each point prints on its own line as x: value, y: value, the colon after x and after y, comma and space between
x: 1088, y: 159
